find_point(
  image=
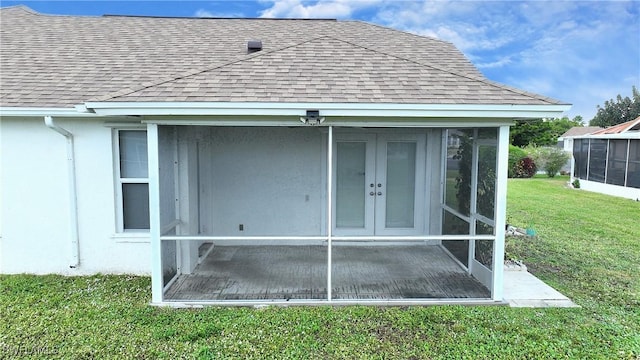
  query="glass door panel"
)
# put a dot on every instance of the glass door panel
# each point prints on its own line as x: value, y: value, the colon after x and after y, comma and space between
x: 400, y: 172
x: 350, y: 184
x: 400, y: 184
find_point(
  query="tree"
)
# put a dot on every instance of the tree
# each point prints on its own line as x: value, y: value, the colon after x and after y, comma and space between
x: 549, y: 158
x: 619, y: 111
x: 541, y: 132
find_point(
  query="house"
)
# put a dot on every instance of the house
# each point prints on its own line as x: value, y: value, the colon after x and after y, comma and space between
x: 608, y: 160
x: 565, y: 141
x: 244, y: 161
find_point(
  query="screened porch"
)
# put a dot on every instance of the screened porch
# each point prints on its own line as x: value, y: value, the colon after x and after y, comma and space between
x: 335, y: 214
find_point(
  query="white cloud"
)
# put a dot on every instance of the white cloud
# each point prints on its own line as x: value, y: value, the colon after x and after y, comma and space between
x: 579, y: 52
x: 572, y: 51
x: 469, y: 25
x: 493, y: 64
x: 319, y: 9
x: 202, y: 13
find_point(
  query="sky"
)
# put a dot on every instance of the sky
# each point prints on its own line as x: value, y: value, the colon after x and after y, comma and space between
x: 579, y: 52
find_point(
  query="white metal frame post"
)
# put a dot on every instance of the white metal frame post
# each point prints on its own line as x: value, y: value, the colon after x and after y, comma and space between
x: 626, y: 164
x: 329, y: 206
x: 154, y: 214
x: 473, y: 203
x: 500, y: 214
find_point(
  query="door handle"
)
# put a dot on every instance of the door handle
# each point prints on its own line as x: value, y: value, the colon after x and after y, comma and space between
x: 379, y: 192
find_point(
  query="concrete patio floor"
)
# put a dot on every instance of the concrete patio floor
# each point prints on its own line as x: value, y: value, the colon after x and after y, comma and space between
x: 359, y: 272
x: 300, y: 272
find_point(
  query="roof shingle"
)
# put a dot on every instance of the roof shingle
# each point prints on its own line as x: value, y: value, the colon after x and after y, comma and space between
x: 633, y: 125
x: 580, y: 130
x: 61, y: 61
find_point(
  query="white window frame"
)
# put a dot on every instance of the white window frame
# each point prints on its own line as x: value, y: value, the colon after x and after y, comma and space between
x: 119, y: 181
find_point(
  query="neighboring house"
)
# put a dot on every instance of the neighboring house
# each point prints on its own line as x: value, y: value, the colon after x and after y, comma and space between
x: 608, y: 160
x: 347, y: 162
x: 565, y: 141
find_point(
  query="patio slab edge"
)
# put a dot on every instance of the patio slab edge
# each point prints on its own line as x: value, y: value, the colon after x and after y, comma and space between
x: 523, y: 289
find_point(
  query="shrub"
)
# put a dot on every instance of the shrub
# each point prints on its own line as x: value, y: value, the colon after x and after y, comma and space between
x: 549, y: 158
x: 515, y: 155
x: 525, y: 168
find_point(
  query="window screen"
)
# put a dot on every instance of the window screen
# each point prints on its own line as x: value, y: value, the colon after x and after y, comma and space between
x: 617, y: 162
x: 633, y: 174
x: 597, y: 160
x: 580, y: 155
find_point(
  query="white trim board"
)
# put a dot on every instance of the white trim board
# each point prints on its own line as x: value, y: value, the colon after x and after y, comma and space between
x: 328, y: 109
x: 359, y: 122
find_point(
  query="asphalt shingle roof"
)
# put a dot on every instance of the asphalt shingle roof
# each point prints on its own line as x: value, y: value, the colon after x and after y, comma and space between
x: 61, y: 61
x: 580, y: 130
x: 633, y: 125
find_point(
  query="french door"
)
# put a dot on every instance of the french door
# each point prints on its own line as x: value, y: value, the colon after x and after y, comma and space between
x: 379, y: 184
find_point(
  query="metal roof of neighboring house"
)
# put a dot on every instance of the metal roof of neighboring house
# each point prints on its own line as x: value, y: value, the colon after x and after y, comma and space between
x: 580, y: 130
x: 62, y: 61
x: 633, y: 125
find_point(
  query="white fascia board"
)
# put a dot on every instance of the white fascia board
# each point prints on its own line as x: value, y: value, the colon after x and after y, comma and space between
x: 623, y: 135
x: 59, y: 112
x: 327, y: 109
x: 340, y: 121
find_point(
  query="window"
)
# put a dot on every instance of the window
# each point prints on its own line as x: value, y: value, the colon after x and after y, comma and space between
x: 132, y: 186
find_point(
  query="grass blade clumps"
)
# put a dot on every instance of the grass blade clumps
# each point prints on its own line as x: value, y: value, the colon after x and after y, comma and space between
x: 592, y: 258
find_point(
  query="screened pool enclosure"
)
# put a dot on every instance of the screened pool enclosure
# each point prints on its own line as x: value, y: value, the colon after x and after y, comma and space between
x: 613, y: 161
x: 608, y: 160
x: 333, y: 214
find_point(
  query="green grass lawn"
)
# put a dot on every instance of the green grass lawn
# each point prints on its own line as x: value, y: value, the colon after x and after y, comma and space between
x: 588, y: 247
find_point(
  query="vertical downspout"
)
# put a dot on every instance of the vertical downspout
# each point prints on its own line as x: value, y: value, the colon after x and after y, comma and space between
x: 73, y: 199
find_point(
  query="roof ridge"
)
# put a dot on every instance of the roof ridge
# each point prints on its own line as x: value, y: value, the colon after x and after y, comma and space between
x: 21, y: 7
x: 30, y: 11
x: 216, y: 18
x: 453, y: 72
x: 401, y: 31
x: 194, y: 72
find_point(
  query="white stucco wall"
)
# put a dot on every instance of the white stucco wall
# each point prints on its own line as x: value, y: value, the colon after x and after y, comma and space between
x: 223, y: 176
x: 568, y: 144
x: 608, y: 189
x: 270, y: 180
x: 34, y: 213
